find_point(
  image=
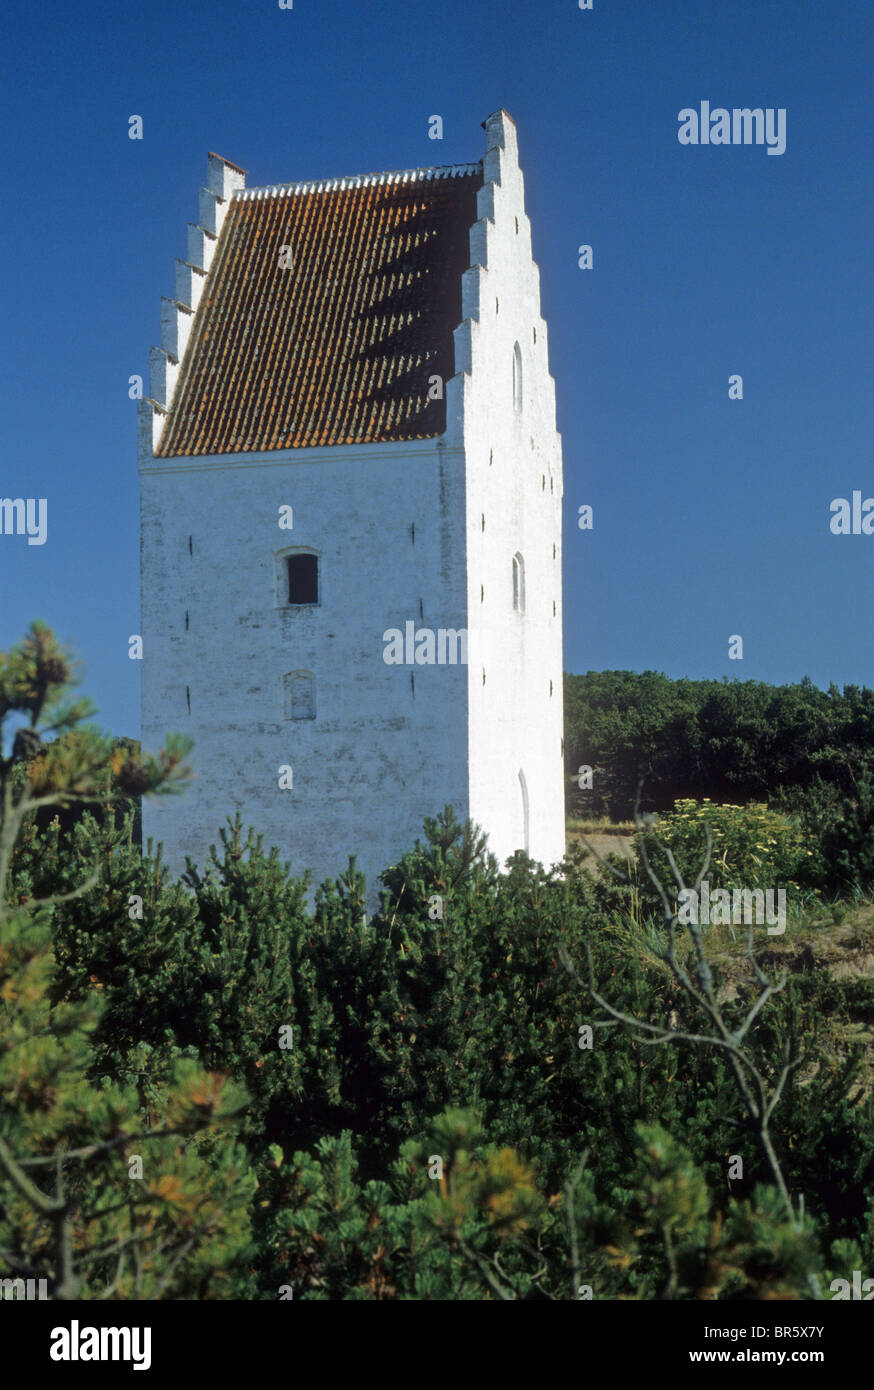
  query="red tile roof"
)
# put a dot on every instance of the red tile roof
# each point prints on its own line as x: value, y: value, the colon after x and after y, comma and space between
x: 339, y: 348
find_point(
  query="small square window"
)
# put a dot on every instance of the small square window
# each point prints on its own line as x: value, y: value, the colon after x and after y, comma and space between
x: 299, y: 695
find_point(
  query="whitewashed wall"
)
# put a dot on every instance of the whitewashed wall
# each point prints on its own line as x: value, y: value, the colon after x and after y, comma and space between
x: 379, y: 756
x: 514, y: 499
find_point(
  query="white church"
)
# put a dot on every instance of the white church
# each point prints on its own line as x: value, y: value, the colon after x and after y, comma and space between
x: 350, y: 499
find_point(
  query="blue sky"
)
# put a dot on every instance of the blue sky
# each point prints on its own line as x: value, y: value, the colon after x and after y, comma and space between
x: 711, y: 515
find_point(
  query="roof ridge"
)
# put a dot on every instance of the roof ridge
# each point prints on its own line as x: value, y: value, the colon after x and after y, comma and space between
x: 328, y: 185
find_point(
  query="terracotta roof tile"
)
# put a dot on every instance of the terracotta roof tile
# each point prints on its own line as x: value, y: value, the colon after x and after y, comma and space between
x: 339, y: 348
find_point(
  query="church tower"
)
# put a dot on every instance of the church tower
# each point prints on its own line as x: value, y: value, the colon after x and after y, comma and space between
x: 350, y: 497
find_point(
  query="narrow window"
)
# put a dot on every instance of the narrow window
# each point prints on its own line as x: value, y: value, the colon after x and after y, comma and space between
x: 517, y: 377
x: 518, y: 583
x: 523, y: 787
x: 303, y: 578
x: 299, y: 695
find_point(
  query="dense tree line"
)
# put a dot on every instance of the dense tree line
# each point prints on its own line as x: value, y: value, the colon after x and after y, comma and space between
x: 731, y: 741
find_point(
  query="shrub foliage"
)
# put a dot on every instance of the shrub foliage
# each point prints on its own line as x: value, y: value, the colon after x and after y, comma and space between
x: 419, y: 1103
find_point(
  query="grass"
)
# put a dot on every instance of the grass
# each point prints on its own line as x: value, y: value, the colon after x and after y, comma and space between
x: 600, y: 836
x: 598, y: 825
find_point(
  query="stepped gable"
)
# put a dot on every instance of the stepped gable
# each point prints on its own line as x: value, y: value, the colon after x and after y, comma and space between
x: 340, y: 346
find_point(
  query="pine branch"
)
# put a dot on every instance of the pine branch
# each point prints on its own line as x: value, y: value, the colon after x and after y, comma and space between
x: 753, y: 1089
